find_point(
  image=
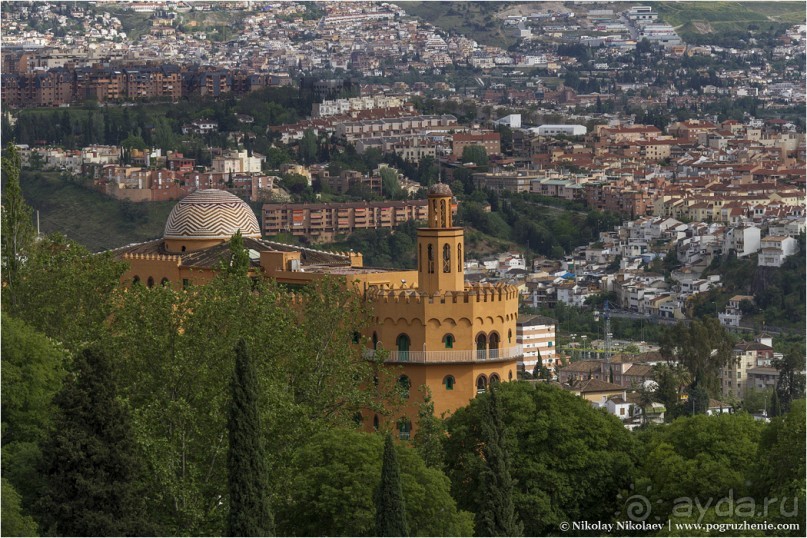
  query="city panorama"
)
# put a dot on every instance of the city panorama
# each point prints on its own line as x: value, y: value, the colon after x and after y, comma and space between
x: 429, y: 268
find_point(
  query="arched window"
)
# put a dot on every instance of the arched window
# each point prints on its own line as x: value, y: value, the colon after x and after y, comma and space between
x: 356, y: 337
x: 494, y: 378
x: 446, y: 258
x: 403, y: 347
x: 448, y: 381
x: 404, y: 384
x: 509, y: 336
x: 481, y: 384
x: 510, y: 375
x: 375, y: 340
x: 183, y: 248
x: 404, y: 429
x: 493, y: 344
x: 375, y: 422
x: 459, y: 258
x: 358, y: 419
x: 136, y: 281
x: 431, y: 258
x: 481, y: 346
x: 420, y: 258
x: 164, y: 282
x: 445, y: 214
x: 150, y: 282
x: 448, y: 341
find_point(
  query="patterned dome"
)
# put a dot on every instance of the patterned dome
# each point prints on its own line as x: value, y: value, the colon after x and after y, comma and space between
x: 211, y: 214
x: 440, y: 189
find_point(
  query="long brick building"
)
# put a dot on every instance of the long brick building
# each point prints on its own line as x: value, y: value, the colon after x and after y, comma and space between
x: 321, y: 222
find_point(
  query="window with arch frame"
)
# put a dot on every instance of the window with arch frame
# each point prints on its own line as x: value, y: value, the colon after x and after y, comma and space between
x: 446, y: 258
x: 459, y: 258
x: 430, y: 250
x: 448, y: 341
x: 449, y: 381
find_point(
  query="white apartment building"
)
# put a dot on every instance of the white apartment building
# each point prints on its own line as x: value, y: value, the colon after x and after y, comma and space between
x: 775, y: 249
x: 536, y: 334
x: 238, y: 162
x: 744, y: 240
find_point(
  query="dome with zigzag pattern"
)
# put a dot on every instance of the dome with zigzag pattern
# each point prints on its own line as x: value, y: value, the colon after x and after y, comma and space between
x: 211, y: 214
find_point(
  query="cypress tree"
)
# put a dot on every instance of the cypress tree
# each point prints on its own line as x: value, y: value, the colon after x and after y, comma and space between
x: 390, y: 514
x: 497, y: 515
x: 17, y: 228
x: 776, y: 406
x: 246, y: 460
x: 90, y: 461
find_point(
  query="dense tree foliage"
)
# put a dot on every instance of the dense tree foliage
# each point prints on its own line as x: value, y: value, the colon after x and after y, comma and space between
x: 544, y: 426
x: 17, y: 231
x: 170, y: 346
x: 33, y: 367
x: 780, y: 465
x: 703, y: 347
x: 334, y: 477
x: 64, y: 291
x: 14, y: 521
x: 697, y: 457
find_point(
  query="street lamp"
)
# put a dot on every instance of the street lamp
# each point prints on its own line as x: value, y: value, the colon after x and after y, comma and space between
x: 574, y: 337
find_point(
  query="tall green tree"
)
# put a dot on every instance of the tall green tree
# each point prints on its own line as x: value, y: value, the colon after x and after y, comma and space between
x: 497, y: 515
x: 475, y: 154
x: 790, y: 385
x: 90, y: 460
x: 239, y: 256
x: 246, y: 459
x: 703, y: 347
x: 308, y: 147
x: 430, y: 432
x: 17, y: 229
x: 390, y: 511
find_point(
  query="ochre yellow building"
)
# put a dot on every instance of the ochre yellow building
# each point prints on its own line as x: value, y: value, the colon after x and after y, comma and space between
x: 438, y: 331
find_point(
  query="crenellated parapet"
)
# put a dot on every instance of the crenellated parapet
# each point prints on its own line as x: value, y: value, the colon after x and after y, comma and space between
x: 474, y: 293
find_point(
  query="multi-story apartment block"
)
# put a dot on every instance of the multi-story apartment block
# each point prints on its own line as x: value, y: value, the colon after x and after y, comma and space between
x: 505, y: 181
x: 354, y: 130
x: 322, y: 222
x: 775, y: 249
x: 490, y: 141
x: 536, y: 335
x: 743, y: 240
x: 734, y: 378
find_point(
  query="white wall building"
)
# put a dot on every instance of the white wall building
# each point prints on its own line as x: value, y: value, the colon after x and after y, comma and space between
x: 536, y: 334
x: 553, y: 130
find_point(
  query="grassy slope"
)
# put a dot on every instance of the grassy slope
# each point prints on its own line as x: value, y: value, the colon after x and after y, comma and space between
x: 694, y: 17
x: 89, y: 217
x: 467, y: 18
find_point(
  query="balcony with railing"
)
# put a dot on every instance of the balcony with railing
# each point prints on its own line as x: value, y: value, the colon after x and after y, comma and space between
x: 451, y: 356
